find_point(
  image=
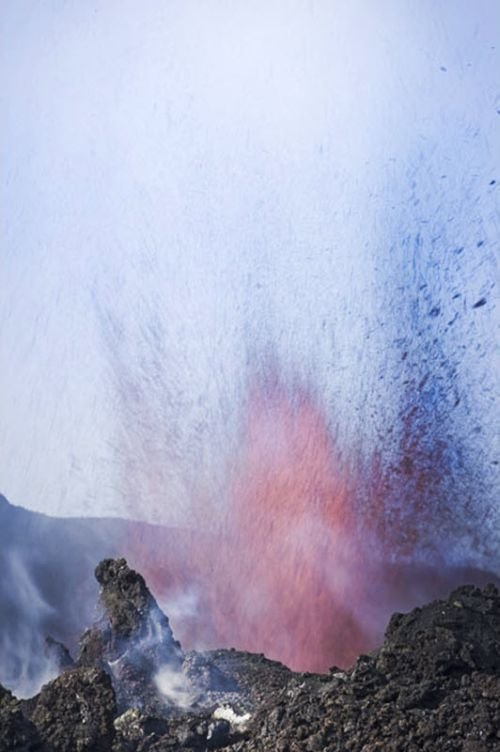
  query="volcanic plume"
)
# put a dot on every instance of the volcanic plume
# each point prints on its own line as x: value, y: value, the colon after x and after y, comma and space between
x: 280, y: 565
x: 308, y: 558
x: 290, y: 569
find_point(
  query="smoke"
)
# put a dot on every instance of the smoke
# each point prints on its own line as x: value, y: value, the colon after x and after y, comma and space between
x: 175, y: 687
x: 47, y: 589
x: 25, y: 665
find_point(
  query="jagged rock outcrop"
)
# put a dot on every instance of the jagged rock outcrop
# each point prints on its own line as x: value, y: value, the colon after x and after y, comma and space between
x: 133, y: 640
x: 58, y: 654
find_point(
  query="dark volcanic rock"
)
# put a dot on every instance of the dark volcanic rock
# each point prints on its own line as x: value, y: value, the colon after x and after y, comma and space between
x: 58, y: 654
x: 258, y: 678
x: 6, y: 697
x: 133, y: 639
x: 17, y: 733
x: 455, y: 636
x: 434, y: 685
x: 75, y: 712
x: 132, y: 611
x: 133, y: 614
x: 135, y: 731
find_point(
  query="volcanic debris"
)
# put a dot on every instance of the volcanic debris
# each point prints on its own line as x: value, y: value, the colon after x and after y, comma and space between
x: 132, y: 639
x: 433, y: 685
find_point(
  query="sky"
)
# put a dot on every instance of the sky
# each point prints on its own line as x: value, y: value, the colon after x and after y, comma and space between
x: 195, y: 195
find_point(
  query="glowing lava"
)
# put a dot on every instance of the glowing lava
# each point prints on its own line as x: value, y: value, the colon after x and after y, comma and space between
x: 296, y: 567
x: 281, y: 571
x: 288, y: 565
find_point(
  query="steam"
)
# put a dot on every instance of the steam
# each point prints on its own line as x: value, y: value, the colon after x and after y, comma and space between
x: 47, y: 589
x: 24, y: 664
x: 175, y: 687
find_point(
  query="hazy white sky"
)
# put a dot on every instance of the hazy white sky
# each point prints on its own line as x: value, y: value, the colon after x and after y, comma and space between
x: 187, y: 187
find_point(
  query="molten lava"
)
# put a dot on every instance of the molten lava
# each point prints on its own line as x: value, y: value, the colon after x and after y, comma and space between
x: 281, y: 572
x: 287, y: 576
x: 296, y: 566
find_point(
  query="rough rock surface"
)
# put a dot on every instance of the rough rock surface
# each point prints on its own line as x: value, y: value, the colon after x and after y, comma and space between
x: 75, y: 712
x: 17, y: 733
x: 433, y: 685
x: 133, y: 637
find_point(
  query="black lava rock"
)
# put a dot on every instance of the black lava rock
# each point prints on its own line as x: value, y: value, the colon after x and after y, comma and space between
x: 132, y: 640
x: 76, y: 712
x: 434, y: 685
x: 17, y: 732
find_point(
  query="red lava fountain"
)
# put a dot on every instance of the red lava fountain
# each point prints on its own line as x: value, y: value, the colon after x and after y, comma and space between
x: 279, y: 572
x: 295, y: 566
x: 287, y: 573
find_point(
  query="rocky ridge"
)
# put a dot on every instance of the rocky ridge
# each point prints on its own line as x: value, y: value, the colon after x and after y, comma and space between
x: 433, y: 685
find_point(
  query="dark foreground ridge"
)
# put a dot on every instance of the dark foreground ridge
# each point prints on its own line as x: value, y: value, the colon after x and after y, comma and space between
x: 433, y: 685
